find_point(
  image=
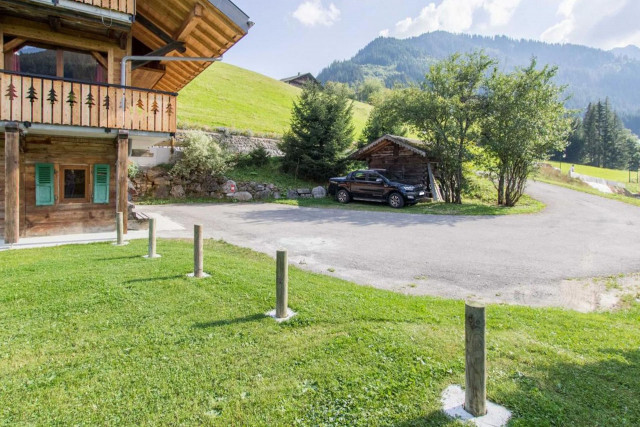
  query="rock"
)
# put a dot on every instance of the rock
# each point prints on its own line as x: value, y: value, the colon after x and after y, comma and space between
x: 243, y: 196
x: 319, y: 192
x: 264, y: 194
x: 229, y: 187
x: 277, y: 195
x: 259, y: 187
x: 292, y: 194
x: 302, y: 191
x: 177, y: 192
x: 161, y: 192
x: 271, y: 187
x: 154, y: 173
x: 162, y: 180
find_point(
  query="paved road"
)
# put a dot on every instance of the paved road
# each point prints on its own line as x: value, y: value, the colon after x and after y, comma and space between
x: 523, y: 259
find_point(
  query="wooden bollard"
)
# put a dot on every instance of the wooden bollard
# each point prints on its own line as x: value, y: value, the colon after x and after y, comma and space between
x: 119, y: 229
x: 475, y: 401
x: 152, y: 239
x: 282, y: 285
x: 197, y: 252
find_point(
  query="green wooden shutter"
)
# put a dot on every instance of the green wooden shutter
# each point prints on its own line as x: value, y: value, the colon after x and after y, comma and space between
x: 44, y: 184
x: 101, y: 183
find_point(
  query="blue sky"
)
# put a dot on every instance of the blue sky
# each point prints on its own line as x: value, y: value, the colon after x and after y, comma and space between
x: 292, y: 36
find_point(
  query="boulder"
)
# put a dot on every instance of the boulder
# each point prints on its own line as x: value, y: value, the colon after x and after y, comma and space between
x: 229, y: 187
x: 242, y: 196
x: 162, y: 180
x: 264, y: 194
x: 177, y: 192
x: 154, y: 173
x: 319, y: 192
x: 292, y: 194
x: 161, y: 192
x: 259, y: 187
x: 276, y: 195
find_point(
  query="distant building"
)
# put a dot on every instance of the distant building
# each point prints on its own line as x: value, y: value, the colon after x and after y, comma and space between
x: 300, y: 80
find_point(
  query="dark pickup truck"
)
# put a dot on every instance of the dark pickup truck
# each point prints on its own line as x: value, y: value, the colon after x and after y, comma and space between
x: 376, y: 185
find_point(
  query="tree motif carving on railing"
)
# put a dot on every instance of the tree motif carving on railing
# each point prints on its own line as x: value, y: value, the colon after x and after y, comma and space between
x: 76, y: 103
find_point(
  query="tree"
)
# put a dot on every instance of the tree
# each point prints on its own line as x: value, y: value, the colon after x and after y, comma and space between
x: 368, y: 90
x: 446, y: 111
x: 524, y: 120
x: 321, y: 131
x: 201, y: 156
x: 385, y: 118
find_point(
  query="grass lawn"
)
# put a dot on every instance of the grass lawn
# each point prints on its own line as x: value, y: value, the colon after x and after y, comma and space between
x: 552, y: 176
x: 621, y: 176
x: 232, y: 97
x: 97, y: 335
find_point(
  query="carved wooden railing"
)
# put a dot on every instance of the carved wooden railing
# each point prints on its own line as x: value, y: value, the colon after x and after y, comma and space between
x: 56, y: 101
x: 124, y: 6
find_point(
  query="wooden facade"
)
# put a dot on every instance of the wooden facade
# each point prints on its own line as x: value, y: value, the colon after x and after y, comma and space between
x: 406, y: 158
x: 64, y: 140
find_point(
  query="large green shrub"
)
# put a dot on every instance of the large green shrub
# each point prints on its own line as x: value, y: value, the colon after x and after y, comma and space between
x: 201, y: 155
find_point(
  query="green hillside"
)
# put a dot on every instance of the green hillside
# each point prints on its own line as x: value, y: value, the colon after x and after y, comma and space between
x: 232, y: 97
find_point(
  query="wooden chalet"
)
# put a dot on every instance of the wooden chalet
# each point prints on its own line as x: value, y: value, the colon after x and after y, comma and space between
x: 409, y: 159
x: 300, y: 80
x: 69, y: 116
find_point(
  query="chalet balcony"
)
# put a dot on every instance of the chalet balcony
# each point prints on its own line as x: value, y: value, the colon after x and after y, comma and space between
x: 124, y: 6
x: 34, y: 99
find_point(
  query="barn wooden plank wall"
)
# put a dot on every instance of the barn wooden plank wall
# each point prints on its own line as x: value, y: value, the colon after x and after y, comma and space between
x: 401, y: 161
x: 62, y: 218
x: 62, y: 102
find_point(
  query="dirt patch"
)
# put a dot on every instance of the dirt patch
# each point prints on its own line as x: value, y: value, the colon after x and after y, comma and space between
x: 601, y: 293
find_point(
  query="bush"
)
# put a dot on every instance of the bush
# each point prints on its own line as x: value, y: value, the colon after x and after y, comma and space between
x: 201, y: 155
x: 133, y: 170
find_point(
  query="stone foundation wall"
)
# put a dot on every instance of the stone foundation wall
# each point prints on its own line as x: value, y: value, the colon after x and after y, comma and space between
x: 239, y: 143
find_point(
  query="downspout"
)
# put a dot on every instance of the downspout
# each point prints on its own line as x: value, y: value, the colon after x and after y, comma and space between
x: 123, y: 70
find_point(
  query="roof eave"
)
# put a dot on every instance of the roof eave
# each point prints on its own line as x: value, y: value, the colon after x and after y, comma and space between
x: 234, y: 13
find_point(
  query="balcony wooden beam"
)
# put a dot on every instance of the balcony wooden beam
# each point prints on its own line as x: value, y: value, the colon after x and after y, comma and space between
x: 14, y: 44
x: 194, y: 18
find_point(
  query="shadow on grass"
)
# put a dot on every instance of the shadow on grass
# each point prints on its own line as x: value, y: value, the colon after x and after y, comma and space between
x: 155, y: 279
x: 226, y: 322
x: 435, y: 418
x: 602, y: 393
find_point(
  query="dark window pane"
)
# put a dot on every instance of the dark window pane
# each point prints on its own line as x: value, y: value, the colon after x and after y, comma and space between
x: 34, y: 60
x: 81, y: 66
x: 74, y: 183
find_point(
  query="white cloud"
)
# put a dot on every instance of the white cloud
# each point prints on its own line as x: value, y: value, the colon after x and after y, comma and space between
x: 457, y: 16
x: 384, y: 33
x: 313, y: 12
x: 599, y: 23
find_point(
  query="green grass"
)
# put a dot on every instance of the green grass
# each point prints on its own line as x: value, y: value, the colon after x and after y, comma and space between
x: 270, y: 173
x: 621, y: 176
x: 97, y: 335
x: 551, y: 176
x: 232, y: 97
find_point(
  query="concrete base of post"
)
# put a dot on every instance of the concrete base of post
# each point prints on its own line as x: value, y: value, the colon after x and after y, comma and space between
x: 193, y: 275
x: 453, y: 405
x: 152, y: 257
x: 290, y: 314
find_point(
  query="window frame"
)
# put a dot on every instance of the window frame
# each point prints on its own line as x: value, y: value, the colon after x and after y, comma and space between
x: 87, y: 184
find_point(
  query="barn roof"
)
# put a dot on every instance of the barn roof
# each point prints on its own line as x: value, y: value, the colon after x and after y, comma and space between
x: 415, y: 145
x: 208, y: 28
x: 299, y: 76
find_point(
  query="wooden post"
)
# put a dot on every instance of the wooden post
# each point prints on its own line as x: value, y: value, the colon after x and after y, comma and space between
x: 12, y: 184
x: 152, y: 238
x: 197, y: 251
x: 122, y: 177
x: 282, y: 285
x: 119, y: 227
x: 476, y: 357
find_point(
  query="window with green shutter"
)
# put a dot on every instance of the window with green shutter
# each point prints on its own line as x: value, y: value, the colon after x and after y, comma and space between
x: 101, y: 183
x: 44, y: 184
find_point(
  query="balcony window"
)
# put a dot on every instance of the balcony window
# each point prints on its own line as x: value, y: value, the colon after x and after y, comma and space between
x: 46, y: 61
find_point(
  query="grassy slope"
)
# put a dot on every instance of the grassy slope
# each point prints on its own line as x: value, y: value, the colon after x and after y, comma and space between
x: 97, y: 335
x: 621, y: 176
x: 232, y: 97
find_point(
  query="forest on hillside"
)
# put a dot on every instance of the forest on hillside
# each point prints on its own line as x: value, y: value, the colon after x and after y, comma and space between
x: 588, y: 73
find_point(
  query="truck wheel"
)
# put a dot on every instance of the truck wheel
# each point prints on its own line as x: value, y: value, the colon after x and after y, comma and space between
x: 396, y: 200
x: 343, y: 196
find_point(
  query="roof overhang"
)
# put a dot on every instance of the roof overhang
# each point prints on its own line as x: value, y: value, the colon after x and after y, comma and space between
x: 362, y: 153
x: 206, y: 28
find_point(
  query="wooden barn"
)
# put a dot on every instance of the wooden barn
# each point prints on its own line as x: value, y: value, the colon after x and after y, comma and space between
x: 409, y: 159
x: 81, y: 85
x: 300, y: 80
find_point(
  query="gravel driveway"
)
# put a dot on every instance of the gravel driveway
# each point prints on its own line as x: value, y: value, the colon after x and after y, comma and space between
x: 542, y: 259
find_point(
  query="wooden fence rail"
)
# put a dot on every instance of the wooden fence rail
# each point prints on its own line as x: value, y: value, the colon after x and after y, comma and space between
x: 38, y: 99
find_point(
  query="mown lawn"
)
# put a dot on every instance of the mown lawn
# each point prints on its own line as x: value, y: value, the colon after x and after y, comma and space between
x: 97, y: 335
x: 228, y: 96
x: 617, y: 175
